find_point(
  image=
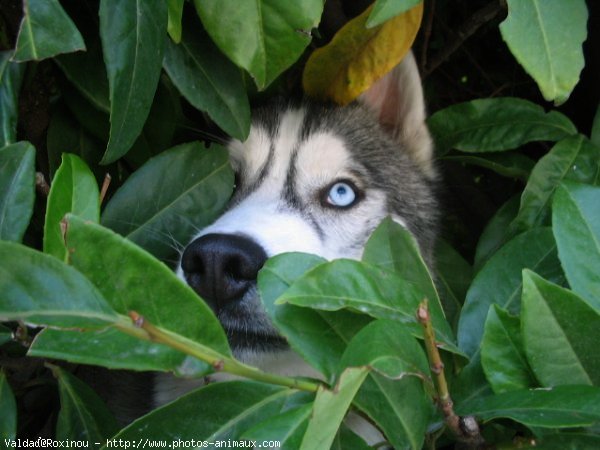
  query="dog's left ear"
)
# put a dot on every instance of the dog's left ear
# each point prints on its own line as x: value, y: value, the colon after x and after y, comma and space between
x: 397, y: 100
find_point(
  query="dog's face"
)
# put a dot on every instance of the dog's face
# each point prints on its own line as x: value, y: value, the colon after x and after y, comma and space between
x: 313, y: 179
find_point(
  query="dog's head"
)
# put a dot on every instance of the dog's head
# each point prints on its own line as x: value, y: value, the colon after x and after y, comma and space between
x: 315, y: 179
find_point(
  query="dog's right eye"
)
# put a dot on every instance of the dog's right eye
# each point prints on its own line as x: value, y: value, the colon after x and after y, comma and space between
x: 341, y: 194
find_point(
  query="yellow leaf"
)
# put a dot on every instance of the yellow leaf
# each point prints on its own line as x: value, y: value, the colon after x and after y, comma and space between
x: 358, y: 56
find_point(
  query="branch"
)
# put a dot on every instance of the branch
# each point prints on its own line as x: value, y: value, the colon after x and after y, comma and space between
x: 467, y: 29
x: 216, y: 360
x: 105, y: 185
x: 465, y: 428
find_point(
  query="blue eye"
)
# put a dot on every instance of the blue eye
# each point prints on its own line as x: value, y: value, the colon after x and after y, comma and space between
x: 341, y: 194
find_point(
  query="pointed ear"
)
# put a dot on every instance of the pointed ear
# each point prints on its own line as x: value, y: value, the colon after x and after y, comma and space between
x: 397, y: 100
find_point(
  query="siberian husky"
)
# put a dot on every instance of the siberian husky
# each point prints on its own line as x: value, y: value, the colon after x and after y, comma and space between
x: 316, y: 179
x: 312, y: 178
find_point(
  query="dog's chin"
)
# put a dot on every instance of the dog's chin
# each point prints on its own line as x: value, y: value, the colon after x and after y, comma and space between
x: 248, y: 341
x: 248, y: 328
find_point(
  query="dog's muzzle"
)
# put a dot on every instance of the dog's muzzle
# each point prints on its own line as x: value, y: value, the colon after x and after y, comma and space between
x: 221, y: 268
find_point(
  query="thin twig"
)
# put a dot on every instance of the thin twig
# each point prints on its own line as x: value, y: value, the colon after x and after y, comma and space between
x: 427, y: 35
x: 466, y: 30
x: 41, y: 184
x: 465, y: 428
x: 218, y: 361
x: 105, y: 185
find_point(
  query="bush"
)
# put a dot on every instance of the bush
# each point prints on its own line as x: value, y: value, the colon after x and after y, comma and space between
x: 504, y: 343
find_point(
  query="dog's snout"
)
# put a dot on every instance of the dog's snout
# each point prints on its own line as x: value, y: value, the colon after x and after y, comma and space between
x: 222, y: 267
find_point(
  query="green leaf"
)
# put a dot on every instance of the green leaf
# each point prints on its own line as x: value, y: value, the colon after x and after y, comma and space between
x: 502, y: 353
x: 495, y: 233
x: 46, y: 31
x: 368, y: 289
x: 576, y: 227
x: 17, y: 189
x: 209, y: 81
x: 573, y: 158
x: 11, y: 76
x: 218, y: 411
x: 133, y: 43
x: 388, y: 348
x: 41, y: 290
x: 471, y: 382
x: 392, y: 395
x: 83, y: 415
x: 73, y: 190
x: 364, y: 288
x: 264, y: 37
x: 114, y: 349
x: 508, y: 164
x: 319, y: 336
x: 496, y: 124
x: 392, y: 247
x: 558, y: 407
x: 499, y: 282
x: 453, y: 276
x: 174, y: 22
x: 545, y: 36
x: 288, y: 428
x: 329, y: 409
x: 559, y: 329
x: 8, y: 406
x: 348, y: 440
x: 173, y: 195
x: 384, y: 10
x: 141, y: 283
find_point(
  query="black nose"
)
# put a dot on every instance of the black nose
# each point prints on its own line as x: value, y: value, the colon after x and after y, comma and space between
x: 222, y: 267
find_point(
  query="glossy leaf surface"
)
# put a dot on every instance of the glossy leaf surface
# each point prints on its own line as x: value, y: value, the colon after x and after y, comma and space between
x: 497, y: 124
x: 384, y: 10
x: 576, y: 227
x: 545, y: 36
x: 499, y: 282
x: 264, y: 37
x: 392, y: 395
x: 559, y: 407
x: 151, y: 288
x: 39, y: 289
x: 502, y: 353
x: 73, y: 190
x: 11, y: 76
x: 329, y: 408
x: 133, y: 41
x: 319, y: 336
x: 574, y: 159
x: 559, y: 329
x: 83, y: 415
x: 17, y: 189
x: 209, y: 81
x: 46, y: 30
x: 173, y: 195
x: 365, y: 288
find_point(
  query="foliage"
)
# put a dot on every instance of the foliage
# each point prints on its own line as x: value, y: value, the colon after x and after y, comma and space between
x: 85, y: 275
